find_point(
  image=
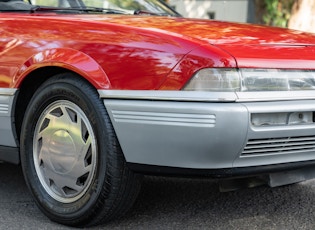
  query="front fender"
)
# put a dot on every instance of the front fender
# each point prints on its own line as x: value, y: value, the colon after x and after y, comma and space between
x: 67, y: 58
x: 206, y: 56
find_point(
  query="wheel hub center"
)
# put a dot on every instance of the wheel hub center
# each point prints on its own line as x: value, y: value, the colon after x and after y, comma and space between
x: 62, y: 151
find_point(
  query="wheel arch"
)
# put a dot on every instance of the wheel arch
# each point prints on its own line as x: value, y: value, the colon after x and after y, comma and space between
x: 65, y: 58
x: 27, y: 89
x: 44, y: 65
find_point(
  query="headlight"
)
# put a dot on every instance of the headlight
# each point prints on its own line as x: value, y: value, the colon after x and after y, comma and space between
x: 215, y: 80
x: 250, y: 80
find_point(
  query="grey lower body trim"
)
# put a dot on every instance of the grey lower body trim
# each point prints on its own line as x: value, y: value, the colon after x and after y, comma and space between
x: 205, y: 135
x: 6, y: 127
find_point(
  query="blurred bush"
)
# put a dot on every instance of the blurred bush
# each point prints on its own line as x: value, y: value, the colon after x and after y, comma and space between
x: 274, y: 12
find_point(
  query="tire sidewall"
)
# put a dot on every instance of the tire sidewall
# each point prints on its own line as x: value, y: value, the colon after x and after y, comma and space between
x: 64, y: 89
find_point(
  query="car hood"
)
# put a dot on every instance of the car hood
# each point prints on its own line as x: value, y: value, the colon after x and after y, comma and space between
x: 253, y: 46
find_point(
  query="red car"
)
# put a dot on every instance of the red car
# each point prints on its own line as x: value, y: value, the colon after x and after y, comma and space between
x: 93, y: 94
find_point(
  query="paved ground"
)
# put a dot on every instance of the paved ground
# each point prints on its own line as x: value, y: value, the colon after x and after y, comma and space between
x: 169, y: 203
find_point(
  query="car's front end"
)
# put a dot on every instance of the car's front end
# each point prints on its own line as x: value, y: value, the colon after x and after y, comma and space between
x: 92, y: 96
x: 257, y: 111
x: 219, y: 130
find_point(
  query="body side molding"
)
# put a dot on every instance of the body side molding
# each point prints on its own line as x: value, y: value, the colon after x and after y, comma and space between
x: 6, y: 127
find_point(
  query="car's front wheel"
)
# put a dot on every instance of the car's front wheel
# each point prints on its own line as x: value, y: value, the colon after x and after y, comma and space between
x: 70, y: 155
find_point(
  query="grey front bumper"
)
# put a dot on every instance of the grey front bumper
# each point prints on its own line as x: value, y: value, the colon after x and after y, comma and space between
x: 209, y: 135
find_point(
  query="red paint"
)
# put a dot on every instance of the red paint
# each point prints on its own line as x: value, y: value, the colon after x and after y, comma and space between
x: 142, y: 52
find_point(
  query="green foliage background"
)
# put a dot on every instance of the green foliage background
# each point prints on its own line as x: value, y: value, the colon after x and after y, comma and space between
x: 275, y: 12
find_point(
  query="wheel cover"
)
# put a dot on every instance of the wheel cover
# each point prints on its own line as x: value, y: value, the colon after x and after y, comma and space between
x: 64, y: 151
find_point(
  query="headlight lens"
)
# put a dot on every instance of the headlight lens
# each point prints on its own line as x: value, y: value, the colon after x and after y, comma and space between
x: 251, y: 80
x: 215, y: 80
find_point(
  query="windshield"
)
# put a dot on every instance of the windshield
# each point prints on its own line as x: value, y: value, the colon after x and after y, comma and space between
x: 153, y: 7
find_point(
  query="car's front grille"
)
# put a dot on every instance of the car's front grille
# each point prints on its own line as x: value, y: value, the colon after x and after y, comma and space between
x: 279, y: 145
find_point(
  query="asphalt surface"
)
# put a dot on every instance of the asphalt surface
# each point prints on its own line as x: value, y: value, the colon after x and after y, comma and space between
x: 176, y: 203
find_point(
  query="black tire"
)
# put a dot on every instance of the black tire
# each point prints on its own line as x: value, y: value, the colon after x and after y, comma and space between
x: 67, y: 132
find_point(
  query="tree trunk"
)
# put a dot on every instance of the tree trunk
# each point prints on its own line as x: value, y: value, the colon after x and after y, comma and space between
x: 302, y: 17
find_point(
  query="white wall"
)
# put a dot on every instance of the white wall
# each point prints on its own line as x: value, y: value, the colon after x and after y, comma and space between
x: 228, y: 10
